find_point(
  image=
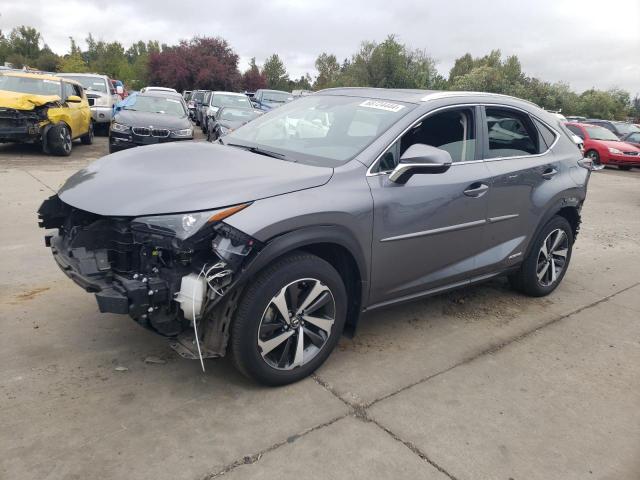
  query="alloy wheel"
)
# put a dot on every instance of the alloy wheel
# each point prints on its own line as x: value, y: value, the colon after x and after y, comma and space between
x: 595, y: 158
x: 552, y: 257
x: 65, y: 137
x: 296, y: 324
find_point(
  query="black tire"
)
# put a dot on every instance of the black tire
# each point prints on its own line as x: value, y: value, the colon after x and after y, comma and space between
x: 113, y: 149
x: 88, y: 138
x: 594, y: 156
x: 626, y: 168
x: 59, y: 140
x: 255, y: 302
x: 526, y: 279
x: 212, y: 136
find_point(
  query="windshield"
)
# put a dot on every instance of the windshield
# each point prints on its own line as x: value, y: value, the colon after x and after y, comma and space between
x: 320, y: 130
x: 276, y: 97
x: 222, y: 100
x: 600, y: 133
x: 625, y: 128
x: 237, y: 114
x: 35, y: 86
x: 96, y: 84
x: 164, y: 105
x: 198, y: 96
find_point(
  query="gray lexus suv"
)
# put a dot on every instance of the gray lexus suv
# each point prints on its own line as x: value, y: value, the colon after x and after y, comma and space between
x: 273, y: 241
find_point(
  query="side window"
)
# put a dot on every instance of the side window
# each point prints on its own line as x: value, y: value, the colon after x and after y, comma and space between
x: 576, y: 130
x: 548, y: 137
x: 511, y: 134
x: 452, y: 130
x: 68, y: 89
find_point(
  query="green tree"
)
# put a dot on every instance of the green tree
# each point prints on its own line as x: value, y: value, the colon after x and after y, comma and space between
x: 25, y: 41
x: 275, y: 73
x: 328, y: 71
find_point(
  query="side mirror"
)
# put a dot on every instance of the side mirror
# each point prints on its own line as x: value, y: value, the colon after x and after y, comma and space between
x: 420, y: 158
x: 74, y: 99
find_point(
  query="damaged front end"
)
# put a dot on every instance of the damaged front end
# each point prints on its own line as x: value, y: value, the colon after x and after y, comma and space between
x: 170, y: 273
x: 24, y: 126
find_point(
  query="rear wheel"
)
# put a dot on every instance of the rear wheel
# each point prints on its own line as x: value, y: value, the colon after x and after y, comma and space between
x: 289, y: 320
x: 595, y: 157
x: 59, y: 140
x: 88, y: 138
x: 546, y: 264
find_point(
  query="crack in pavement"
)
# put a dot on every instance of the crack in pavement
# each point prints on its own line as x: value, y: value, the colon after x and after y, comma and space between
x: 37, y: 179
x: 360, y: 411
x: 250, y: 459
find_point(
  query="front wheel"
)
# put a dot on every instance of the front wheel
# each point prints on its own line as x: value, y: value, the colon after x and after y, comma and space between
x: 289, y: 320
x: 59, y: 140
x: 546, y: 264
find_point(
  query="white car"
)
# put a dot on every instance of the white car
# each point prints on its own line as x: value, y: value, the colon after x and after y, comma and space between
x: 158, y: 89
x: 101, y: 94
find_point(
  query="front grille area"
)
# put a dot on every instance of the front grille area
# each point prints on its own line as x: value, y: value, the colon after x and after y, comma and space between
x: 10, y: 118
x: 141, y: 131
x: 153, y: 132
x: 160, y: 132
x: 633, y: 154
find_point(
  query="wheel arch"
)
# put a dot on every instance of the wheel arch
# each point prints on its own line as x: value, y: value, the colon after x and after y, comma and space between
x: 334, y: 244
x: 568, y: 208
x: 45, y: 133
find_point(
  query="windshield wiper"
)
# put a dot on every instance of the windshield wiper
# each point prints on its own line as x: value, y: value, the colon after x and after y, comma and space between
x: 261, y: 151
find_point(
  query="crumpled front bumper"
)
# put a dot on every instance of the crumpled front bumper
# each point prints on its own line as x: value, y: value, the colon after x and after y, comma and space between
x: 114, y: 293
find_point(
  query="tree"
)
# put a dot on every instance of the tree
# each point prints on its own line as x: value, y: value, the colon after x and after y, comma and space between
x: 25, y: 41
x: 328, y: 71
x: 47, y: 60
x: 253, y: 79
x: 202, y: 62
x: 275, y: 73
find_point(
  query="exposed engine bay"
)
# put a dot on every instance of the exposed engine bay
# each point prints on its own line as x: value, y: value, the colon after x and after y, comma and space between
x: 23, y: 125
x: 176, y: 285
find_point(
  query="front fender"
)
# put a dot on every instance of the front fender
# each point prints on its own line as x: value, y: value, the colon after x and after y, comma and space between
x: 307, y: 236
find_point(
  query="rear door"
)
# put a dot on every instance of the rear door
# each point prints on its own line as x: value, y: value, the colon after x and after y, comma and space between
x: 428, y: 232
x: 523, y: 173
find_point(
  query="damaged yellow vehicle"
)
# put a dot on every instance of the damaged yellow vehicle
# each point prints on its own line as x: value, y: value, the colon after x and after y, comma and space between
x: 44, y: 109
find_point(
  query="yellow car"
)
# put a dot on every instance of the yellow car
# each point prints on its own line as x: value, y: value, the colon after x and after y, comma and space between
x: 44, y: 109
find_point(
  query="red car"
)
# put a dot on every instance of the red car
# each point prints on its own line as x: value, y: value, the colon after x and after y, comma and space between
x: 604, y: 148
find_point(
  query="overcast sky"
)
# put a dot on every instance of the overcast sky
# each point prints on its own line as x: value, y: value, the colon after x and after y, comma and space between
x: 587, y: 43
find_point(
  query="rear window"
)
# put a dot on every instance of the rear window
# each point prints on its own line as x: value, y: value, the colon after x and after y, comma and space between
x: 97, y: 84
x: 511, y: 134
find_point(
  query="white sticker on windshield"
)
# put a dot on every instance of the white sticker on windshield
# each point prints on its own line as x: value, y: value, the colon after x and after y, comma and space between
x: 51, y: 81
x: 172, y: 100
x: 97, y: 83
x: 382, y: 105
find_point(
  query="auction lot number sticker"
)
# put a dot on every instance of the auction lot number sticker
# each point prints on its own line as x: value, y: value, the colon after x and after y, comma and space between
x: 382, y: 105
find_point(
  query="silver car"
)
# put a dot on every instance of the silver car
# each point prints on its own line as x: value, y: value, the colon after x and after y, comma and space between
x: 101, y: 95
x: 270, y: 243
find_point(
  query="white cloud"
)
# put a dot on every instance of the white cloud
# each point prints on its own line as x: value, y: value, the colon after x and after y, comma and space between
x: 585, y: 43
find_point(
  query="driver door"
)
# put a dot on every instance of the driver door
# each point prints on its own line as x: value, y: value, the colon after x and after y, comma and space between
x: 428, y: 232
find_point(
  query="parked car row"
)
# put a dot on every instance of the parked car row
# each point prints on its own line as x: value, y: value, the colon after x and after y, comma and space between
x: 609, y: 143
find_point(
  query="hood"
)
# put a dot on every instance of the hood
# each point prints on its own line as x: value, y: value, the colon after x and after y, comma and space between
x: 24, y: 101
x: 147, y: 119
x: 232, y: 125
x: 183, y: 177
x: 620, y: 145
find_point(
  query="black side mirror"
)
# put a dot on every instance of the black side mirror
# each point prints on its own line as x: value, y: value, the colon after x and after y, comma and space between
x: 420, y: 158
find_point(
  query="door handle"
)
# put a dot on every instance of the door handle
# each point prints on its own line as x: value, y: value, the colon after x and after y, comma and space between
x: 476, y: 190
x: 549, y: 173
